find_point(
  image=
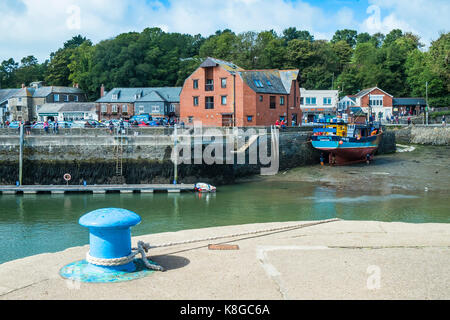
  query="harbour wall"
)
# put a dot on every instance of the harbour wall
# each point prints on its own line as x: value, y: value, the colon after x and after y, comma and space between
x: 420, y: 134
x: 146, y: 155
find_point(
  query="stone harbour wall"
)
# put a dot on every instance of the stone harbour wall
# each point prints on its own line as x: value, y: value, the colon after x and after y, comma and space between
x: 146, y: 158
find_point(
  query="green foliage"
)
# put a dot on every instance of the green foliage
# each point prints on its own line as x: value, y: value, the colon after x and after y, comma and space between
x: 349, y: 62
x: 346, y: 35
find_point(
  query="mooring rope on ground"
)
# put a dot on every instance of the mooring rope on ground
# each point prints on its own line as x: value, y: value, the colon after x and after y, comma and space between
x: 143, y: 247
x: 291, y: 227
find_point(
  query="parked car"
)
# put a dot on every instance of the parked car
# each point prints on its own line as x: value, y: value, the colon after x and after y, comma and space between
x: 14, y: 124
x: 65, y: 124
x: 143, y: 124
x: 78, y: 124
x: 38, y: 125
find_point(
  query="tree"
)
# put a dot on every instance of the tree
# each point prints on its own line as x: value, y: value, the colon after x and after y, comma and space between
x: 392, y: 36
x: 30, y: 70
x: 58, y: 71
x: 292, y: 33
x: 344, y: 52
x: 363, y: 37
x: 377, y: 39
x: 7, y: 73
x: 347, y: 35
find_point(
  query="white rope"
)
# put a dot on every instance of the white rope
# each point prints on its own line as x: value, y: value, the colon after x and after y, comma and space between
x: 296, y: 226
x: 141, y: 249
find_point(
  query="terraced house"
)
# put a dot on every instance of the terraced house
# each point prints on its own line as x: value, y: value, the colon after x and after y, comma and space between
x: 220, y: 93
x: 123, y: 103
x: 25, y: 102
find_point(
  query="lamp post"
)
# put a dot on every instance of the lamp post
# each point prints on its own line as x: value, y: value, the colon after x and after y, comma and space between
x: 426, y: 97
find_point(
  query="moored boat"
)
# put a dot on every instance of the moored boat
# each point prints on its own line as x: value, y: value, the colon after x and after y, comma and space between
x: 204, y: 187
x: 347, y: 143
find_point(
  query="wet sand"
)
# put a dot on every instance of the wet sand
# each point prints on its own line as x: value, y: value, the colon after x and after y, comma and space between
x: 426, y: 168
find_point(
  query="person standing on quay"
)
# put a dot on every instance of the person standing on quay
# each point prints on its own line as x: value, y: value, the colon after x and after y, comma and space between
x: 56, y: 127
x: 46, y: 126
x: 443, y: 120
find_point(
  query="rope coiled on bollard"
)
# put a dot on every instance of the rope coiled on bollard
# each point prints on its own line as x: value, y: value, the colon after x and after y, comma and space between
x: 142, y: 248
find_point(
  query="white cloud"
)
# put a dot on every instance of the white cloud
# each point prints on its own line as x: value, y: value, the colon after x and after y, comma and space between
x: 422, y: 17
x: 30, y: 27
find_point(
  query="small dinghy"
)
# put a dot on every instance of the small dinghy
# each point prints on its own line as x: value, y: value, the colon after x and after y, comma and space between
x: 204, y: 187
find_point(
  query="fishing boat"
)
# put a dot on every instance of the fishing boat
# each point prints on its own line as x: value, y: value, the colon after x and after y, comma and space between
x: 347, y: 143
x: 204, y: 187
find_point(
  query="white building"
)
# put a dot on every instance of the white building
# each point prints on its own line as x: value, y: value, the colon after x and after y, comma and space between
x: 316, y: 102
x: 68, y: 111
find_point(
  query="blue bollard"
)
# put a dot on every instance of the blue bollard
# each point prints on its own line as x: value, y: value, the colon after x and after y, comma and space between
x: 110, y: 237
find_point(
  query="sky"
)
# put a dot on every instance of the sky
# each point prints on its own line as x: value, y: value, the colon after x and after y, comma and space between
x: 39, y: 27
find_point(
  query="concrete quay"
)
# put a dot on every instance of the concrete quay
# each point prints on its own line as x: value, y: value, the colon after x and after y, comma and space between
x: 331, y: 260
x: 122, y: 188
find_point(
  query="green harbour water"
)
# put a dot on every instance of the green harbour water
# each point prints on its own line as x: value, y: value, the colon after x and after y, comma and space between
x: 405, y: 187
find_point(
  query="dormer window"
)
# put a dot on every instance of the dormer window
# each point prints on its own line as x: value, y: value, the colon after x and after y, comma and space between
x: 258, y: 83
x: 115, y: 95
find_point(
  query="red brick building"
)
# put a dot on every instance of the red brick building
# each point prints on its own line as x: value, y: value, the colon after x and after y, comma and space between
x: 220, y: 93
x: 374, y: 100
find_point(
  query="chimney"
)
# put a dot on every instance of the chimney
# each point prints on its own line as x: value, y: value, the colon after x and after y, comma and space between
x: 102, y: 91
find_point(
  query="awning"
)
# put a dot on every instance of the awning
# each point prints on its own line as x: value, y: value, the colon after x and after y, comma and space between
x: 48, y: 114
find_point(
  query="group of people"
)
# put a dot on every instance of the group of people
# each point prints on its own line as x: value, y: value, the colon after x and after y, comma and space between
x: 280, y: 124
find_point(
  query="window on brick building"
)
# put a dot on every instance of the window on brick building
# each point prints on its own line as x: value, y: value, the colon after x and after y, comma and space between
x: 195, y: 101
x: 124, y: 108
x: 261, y: 98
x: 223, y: 82
x: 273, y: 103
x: 104, y: 108
x: 190, y: 119
x: 281, y: 101
x: 249, y: 118
x: 209, y: 103
x: 114, y: 108
x: 223, y: 100
x: 195, y: 84
x: 209, y: 85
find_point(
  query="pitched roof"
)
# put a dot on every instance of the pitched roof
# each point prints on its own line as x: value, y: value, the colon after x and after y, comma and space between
x: 368, y: 90
x: 269, y: 81
x: 5, y: 94
x: 214, y: 62
x: 130, y: 95
x: 23, y: 92
x: 153, y: 96
x: 42, y: 92
x: 67, y: 107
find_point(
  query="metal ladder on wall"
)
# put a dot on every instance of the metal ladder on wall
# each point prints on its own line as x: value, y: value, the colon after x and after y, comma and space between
x: 118, y: 151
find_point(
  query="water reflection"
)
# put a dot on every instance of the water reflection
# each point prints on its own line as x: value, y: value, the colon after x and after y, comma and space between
x: 48, y: 223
